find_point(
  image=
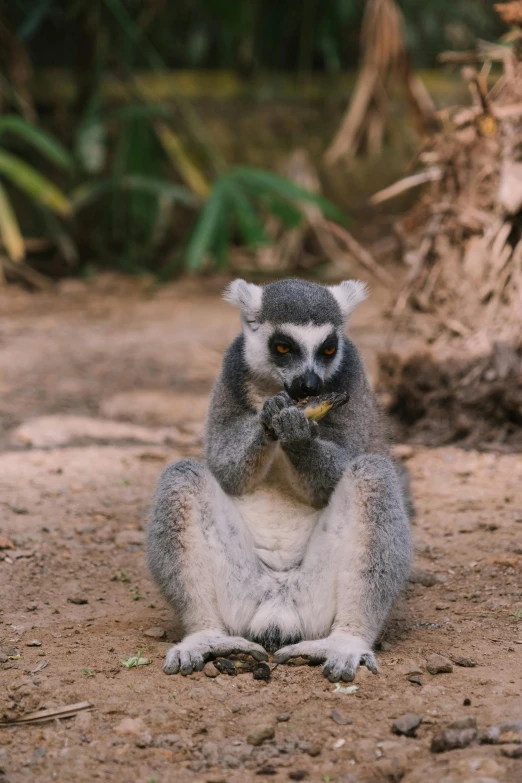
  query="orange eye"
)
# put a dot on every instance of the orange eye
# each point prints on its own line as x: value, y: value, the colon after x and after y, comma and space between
x: 282, y: 348
x: 329, y: 351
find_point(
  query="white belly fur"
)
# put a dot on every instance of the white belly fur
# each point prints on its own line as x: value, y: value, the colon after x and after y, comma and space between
x: 279, y: 522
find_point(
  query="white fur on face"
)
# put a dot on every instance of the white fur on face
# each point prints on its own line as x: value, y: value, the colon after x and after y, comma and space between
x: 309, y: 337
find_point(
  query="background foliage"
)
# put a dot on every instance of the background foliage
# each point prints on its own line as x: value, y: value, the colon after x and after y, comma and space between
x: 142, y: 184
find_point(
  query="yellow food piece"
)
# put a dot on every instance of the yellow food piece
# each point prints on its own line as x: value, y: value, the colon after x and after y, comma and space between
x: 316, y: 412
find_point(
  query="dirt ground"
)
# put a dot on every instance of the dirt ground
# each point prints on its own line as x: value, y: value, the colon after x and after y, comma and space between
x: 101, y: 385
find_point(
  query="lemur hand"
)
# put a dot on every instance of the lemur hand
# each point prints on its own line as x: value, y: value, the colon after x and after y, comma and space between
x: 285, y: 421
x: 272, y: 408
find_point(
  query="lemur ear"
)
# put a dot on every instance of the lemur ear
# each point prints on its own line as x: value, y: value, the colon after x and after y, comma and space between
x: 349, y: 294
x: 246, y: 296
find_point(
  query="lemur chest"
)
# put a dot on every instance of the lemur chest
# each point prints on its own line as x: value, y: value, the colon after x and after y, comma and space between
x: 279, y: 521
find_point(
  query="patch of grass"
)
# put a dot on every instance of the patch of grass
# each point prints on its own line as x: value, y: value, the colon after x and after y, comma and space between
x: 133, y: 661
x: 517, y: 614
x: 136, y: 595
x: 88, y: 672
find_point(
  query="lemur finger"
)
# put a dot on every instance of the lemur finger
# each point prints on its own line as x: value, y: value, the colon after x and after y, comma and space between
x: 370, y: 662
x: 285, y: 653
x: 186, y: 666
x: 334, y: 668
x: 172, y: 662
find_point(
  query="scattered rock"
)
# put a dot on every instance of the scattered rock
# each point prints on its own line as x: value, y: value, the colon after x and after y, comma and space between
x: 261, y: 671
x: 339, y: 743
x: 512, y: 751
x: 459, y: 660
x: 506, y: 733
x: 311, y: 748
x: 79, y: 600
x: 268, y: 769
x: 298, y: 774
x: 16, y: 509
x: 467, y: 722
x: 466, y: 702
x: 210, y: 670
x: 385, y: 646
x: 407, y: 724
x: 210, y: 752
x: 340, y: 719
x: 226, y: 666
x: 414, y: 679
x: 452, y: 739
x: 6, y: 543
x: 33, y: 643
x: 259, y: 735
x: 155, y: 633
x: 130, y: 726
x: 31, y: 607
x: 144, y: 740
x: 438, y: 664
x: 283, y: 717
x: 420, y: 577
x: 392, y: 769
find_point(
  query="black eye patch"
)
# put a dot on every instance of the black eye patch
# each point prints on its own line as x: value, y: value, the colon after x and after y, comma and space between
x: 328, y: 348
x: 282, y: 347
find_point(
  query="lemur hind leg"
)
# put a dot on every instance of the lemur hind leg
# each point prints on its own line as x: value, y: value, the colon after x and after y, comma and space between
x: 363, y: 541
x: 194, y: 543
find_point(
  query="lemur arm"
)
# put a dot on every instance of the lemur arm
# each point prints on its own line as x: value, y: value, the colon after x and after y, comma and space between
x: 320, y: 464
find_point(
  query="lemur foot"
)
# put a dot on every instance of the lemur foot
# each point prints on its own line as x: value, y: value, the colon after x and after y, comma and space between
x: 341, y: 655
x: 190, y: 655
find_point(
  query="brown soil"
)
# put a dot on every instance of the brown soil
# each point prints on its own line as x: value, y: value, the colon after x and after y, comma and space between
x: 120, y: 375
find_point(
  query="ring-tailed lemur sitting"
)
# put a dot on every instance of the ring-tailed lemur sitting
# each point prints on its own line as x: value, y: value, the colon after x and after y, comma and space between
x: 292, y: 535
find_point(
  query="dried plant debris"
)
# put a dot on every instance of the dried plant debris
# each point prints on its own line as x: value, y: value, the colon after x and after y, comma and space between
x: 462, y: 242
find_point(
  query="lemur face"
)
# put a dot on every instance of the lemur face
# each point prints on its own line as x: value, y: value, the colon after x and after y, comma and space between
x: 294, y: 330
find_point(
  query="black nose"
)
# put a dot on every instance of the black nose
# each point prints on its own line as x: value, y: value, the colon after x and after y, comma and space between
x: 310, y: 384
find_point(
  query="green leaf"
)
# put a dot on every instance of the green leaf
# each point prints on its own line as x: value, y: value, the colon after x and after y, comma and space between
x: 9, y: 229
x: 249, y: 224
x: 33, y: 183
x: 262, y: 182
x: 37, y: 138
x: 283, y: 210
x: 208, y: 225
x: 159, y: 187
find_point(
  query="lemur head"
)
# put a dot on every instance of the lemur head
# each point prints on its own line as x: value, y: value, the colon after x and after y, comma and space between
x: 293, y: 330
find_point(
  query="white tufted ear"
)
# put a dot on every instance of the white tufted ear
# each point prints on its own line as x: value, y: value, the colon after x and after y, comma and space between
x: 246, y: 296
x: 349, y: 294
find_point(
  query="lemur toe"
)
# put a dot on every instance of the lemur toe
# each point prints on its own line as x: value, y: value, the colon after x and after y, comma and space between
x: 370, y: 662
x: 172, y: 661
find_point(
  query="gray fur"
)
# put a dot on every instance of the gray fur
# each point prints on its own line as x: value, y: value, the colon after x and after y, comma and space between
x: 326, y: 591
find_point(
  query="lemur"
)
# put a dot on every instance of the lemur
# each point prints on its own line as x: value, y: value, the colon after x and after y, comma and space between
x: 293, y: 535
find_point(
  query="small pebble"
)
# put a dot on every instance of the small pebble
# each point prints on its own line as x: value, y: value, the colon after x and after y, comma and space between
x: 438, y: 664
x: 268, y: 769
x: 512, y: 751
x: 210, y: 670
x: 467, y: 722
x: 144, y: 740
x: 298, y: 774
x: 283, y: 717
x: 414, y: 679
x: 226, y: 666
x: 403, y: 451
x: 259, y: 735
x: 420, y: 577
x: 469, y: 663
x: 34, y: 643
x: 155, y: 633
x: 340, y: 719
x: 452, y: 739
x: 79, y: 600
x: 261, y: 671
x: 466, y: 702
x: 407, y: 724
x: 385, y: 646
x: 339, y: 743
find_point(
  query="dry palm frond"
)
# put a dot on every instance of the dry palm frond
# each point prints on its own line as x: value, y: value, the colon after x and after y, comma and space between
x: 384, y: 57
